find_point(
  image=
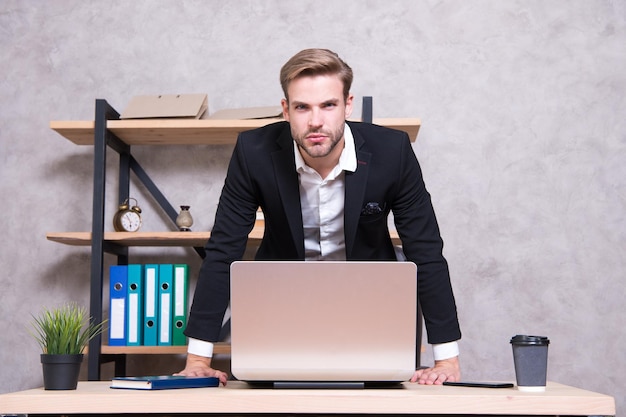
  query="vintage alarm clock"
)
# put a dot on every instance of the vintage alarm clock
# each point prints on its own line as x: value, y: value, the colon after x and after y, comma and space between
x: 127, y: 218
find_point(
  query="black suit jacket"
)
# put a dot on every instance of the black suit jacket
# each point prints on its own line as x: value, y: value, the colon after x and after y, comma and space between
x: 388, y: 178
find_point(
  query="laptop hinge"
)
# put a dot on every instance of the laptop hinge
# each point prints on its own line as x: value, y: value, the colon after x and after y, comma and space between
x: 318, y: 385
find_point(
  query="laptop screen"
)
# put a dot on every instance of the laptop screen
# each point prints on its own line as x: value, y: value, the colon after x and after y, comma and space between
x: 323, y: 321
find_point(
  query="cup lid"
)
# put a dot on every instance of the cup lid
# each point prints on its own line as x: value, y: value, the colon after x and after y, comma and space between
x: 522, y: 339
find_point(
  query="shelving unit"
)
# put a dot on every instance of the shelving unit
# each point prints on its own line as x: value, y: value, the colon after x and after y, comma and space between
x: 107, y: 131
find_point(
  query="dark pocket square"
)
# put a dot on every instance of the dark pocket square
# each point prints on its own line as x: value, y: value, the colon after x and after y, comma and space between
x: 371, y: 208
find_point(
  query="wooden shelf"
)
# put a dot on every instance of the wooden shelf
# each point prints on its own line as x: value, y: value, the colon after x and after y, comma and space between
x: 190, y: 239
x: 218, y: 348
x: 157, y: 239
x: 188, y: 131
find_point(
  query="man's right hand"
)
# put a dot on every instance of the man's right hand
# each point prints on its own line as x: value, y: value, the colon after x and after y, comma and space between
x: 201, y: 366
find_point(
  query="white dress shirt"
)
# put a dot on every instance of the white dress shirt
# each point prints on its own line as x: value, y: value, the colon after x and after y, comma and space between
x: 322, y: 201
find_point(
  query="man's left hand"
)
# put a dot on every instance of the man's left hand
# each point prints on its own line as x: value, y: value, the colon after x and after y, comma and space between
x: 444, y: 370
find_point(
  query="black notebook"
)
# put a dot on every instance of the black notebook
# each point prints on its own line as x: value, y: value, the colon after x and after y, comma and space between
x: 163, y: 382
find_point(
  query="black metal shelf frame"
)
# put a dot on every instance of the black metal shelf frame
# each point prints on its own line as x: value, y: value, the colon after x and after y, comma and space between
x: 103, y: 139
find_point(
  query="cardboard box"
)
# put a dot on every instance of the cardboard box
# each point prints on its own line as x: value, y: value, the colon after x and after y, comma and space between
x: 267, y: 112
x: 185, y: 106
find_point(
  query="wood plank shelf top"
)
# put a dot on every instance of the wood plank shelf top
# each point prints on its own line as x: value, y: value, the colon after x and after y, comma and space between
x: 157, y: 239
x: 219, y: 348
x: 189, y: 131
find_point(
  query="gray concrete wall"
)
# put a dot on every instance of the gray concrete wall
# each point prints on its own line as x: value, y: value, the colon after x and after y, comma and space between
x: 523, y: 147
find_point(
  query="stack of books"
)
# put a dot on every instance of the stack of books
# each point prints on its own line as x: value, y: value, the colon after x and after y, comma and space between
x: 148, y: 304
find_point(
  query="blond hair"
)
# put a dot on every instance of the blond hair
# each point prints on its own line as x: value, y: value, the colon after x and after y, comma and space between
x: 311, y: 62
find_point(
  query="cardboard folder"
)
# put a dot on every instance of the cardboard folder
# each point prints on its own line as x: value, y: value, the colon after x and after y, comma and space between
x: 246, y: 113
x: 186, y: 106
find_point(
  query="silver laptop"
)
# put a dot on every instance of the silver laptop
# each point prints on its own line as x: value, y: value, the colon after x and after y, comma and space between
x: 323, y: 323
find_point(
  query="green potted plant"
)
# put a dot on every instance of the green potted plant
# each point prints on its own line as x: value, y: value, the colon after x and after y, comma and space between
x: 63, y: 333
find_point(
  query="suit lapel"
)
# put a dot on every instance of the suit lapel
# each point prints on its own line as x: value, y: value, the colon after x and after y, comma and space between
x: 355, y: 191
x: 289, y: 188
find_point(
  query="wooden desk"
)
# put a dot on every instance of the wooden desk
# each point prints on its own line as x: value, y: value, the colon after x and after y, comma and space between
x: 238, y: 398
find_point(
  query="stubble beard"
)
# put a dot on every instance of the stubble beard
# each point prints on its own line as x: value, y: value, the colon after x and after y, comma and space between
x: 320, y: 150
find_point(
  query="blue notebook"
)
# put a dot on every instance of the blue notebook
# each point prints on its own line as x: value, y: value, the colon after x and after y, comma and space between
x: 163, y: 382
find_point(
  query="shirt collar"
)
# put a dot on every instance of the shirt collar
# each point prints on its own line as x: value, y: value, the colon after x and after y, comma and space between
x: 347, y: 159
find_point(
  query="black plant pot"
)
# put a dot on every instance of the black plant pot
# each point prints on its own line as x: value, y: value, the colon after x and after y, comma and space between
x: 60, y: 372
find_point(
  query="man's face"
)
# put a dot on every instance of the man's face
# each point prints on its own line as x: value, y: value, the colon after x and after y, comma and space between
x: 317, y: 112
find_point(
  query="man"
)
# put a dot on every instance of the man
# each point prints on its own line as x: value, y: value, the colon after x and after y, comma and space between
x: 326, y: 187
